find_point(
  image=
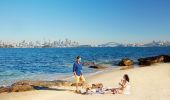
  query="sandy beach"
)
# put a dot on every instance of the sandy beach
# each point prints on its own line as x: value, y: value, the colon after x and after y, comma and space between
x: 147, y: 83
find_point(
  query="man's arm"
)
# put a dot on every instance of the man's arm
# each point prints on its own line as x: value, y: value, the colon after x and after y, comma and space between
x: 74, y: 69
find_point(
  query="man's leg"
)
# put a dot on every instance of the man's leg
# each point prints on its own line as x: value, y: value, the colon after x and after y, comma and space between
x: 76, y: 87
x: 77, y: 82
x: 82, y: 80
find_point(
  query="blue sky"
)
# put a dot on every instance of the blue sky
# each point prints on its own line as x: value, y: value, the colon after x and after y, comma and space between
x: 85, y: 21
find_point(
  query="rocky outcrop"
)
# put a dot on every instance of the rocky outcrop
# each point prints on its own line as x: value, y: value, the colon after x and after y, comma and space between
x: 166, y: 58
x: 152, y: 60
x: 43, y: 83
x: 126, y: 62
x: 16, y: 88
x: 21, y: 88
x: 88, y: 63
x: 99, y: 66
x: 27, y: 85
x: 95, y: 66
x: 4, y: 89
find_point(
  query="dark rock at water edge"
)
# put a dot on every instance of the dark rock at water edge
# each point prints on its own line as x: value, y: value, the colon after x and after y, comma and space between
x: 96, y: 66
x: 21, y: 88
x: 166, y: 58
x: 27, y: 85
x: 4, y: 89
x: 89, y: 63
x: 43, y: 83
x: 152, y: 60
x: 99, y: 66
x: 126, y: 62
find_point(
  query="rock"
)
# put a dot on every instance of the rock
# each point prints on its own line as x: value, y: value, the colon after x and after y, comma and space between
x: 25, y: 82
x: 27, y: 85
x: 43, y: 83
x: 146, y: 61
x: 152, y: 60
x: 126, y: 62
x: 99, y: 66
x: 159, y: 59
x: 16, y: 87
x: 21, y: 88
x: 63, y: 82
x: 166, y: 58
x: 4, y: 89
x: 88, y: 63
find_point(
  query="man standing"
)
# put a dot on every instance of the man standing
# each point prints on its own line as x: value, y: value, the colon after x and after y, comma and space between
x: 77, y: 71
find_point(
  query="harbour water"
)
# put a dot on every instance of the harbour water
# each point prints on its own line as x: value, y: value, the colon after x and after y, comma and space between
x: 55, y: 63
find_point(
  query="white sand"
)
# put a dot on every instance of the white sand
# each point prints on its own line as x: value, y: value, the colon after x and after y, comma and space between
x: 147, y: 83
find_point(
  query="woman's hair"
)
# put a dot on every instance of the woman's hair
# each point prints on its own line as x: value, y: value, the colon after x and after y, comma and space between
x: 126, y: 77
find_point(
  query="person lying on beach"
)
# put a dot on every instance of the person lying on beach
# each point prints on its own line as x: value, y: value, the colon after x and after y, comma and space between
x: 124, y: 86
x: 77, y: 71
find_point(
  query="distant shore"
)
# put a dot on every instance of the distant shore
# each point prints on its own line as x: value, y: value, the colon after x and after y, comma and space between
x: 69, y: 43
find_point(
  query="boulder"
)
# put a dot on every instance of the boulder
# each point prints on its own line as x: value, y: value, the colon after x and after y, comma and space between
x: 126, y: 62
x: 25, y: 82
x: 166, y: 58
x: 146, y: 61
x: 27, y: 85
x: 99, y: 66
x: 43, y: 83
x: 88, y: 63
x: 21, y: 88
x: 63, y: 82
x: 4, y: 89
x: 152, y: 60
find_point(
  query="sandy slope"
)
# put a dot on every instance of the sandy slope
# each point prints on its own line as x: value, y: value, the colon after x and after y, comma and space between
x: 147, y: 83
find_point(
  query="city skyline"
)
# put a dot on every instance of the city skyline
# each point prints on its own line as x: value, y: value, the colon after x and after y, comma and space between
x: 87, y: 21
x: 69, y: 43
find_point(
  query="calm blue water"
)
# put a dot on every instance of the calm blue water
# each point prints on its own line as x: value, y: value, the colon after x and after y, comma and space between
x: 54, y: 63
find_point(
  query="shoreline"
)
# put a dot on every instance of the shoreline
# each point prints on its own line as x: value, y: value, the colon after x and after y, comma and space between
x: 67, y: 76
x: 70, y: 77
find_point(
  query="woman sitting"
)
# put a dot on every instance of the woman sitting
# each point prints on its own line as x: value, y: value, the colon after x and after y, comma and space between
x: 124, y: 86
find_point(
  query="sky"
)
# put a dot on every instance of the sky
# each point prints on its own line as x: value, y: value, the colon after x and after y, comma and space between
x: 85, y: 21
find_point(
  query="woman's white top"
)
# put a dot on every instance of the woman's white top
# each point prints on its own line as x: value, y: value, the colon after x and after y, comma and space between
x: 126, y: 90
